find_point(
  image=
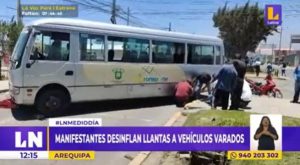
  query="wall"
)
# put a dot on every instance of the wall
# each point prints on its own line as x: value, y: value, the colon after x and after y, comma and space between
x: 293, y: 59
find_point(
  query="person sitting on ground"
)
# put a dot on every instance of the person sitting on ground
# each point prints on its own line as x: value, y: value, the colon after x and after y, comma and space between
x: 183, y: 93
x: 200, y: 80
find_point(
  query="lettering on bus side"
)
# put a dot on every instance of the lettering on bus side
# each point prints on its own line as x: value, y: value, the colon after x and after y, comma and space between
x: 164, y: 79
x: 154, y: 79
x: 151, y: 79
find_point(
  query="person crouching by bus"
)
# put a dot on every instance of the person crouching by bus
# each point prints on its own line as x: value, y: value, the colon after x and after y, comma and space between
x: 183, y: 93
x: 226, y: 82
x: 200, y: 80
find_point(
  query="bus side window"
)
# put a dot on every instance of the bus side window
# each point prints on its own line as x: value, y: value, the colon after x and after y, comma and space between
x: 92, y: 47
x: 168, y: 52
x: 207, y: 53
x: 194, y: 52
x: 138, y: 50
x: 116, y: 48
x: 218, y: 54
x: 128, y: 50
x: 163, y: 52
x: 52, y: 46
x: 179, y: 53
x: 200, y: 54
x: 37, y: 52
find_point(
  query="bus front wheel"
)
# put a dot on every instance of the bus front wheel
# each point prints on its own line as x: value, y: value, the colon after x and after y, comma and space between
x: 52, y: 102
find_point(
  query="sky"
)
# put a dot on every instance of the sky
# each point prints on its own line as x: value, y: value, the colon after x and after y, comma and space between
x: 189, y: 16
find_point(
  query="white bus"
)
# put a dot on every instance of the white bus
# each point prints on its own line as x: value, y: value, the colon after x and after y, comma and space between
x: 59, y: 61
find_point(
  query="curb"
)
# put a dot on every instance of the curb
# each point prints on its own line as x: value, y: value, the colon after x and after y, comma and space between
x: 142, y: 156
x: 193, y: 111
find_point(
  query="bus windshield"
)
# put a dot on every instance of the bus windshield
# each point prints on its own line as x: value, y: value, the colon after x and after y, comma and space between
x: 19, y: 48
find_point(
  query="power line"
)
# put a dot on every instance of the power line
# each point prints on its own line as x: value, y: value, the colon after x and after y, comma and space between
x: 107, y: 8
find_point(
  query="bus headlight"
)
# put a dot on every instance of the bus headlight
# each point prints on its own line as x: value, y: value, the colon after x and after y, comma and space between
x: 15, y: 91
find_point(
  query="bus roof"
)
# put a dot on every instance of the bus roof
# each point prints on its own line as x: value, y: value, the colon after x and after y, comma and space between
x: 122, y: 28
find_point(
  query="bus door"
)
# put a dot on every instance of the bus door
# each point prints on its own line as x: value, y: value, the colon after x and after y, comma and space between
x: 50, y: 60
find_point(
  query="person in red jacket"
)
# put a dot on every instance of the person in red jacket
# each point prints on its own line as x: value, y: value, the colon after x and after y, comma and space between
x: 183, y: 92
x: 269, y: 84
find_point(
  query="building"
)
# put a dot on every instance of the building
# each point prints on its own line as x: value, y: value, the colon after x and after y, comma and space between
x: 282, y: 53
x: 292, y: 59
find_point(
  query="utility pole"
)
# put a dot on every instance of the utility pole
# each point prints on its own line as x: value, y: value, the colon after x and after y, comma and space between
x: 281, y: 29
x: 128, y: 16
x: 19, y: 13
x: 279, y: 49
x: 113, y: 13
x: 290, y: 45
x: 170, y: 26
x: 273, y: 54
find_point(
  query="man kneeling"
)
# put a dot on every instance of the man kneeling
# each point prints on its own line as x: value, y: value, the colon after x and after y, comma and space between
x: 183, y: 93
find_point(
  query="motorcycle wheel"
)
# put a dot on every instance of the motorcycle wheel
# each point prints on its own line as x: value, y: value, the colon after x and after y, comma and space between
x: 271, y: 94
x: 278, y: 94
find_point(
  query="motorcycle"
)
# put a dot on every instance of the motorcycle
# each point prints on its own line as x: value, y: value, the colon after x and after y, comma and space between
x: 268, y: 89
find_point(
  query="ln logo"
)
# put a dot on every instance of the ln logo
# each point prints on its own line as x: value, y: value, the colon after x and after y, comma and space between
x: 31, y: 139
x: 273, y: 15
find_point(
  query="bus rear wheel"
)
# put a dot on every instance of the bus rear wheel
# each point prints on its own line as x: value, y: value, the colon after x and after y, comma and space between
x: 52, y: 102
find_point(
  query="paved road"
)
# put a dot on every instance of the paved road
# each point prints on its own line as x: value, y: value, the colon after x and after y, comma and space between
x: 142, y: 112
x: 287, y: 86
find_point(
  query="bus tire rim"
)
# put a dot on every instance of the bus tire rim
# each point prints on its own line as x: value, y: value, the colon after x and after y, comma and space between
x: 53, y: 102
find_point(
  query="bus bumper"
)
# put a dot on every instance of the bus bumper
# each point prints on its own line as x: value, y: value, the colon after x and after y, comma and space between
x: 17, y: 96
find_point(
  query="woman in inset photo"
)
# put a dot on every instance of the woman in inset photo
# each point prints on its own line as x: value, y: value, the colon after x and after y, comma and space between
x: 266, y: 134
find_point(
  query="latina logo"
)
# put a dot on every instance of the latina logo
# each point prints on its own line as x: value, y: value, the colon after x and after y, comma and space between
x: 118, y: 73
x: 273, y: 15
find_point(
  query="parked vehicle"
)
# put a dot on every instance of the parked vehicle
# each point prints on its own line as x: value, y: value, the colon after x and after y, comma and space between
x: 60, y: 61
x: 268, y: 89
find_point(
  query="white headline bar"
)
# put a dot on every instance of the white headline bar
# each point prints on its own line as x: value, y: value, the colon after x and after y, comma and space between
x: 75, y: 122
x: 24, y: 155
